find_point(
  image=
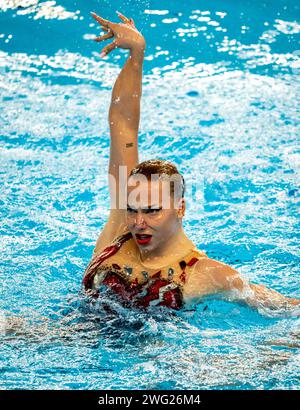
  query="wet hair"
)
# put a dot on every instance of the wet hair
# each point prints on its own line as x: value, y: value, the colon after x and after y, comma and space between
x: 162, y: 168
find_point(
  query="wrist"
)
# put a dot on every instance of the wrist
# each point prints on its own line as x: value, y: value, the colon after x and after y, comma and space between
x: 137, y: 52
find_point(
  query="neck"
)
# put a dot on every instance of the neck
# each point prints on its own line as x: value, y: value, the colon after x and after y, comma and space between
x: 174, y: 247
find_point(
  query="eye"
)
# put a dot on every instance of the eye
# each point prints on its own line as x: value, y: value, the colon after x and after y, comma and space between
x: 152, y: 211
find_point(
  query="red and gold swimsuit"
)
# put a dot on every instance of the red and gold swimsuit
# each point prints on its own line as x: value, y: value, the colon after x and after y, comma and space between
x: 118, y: 268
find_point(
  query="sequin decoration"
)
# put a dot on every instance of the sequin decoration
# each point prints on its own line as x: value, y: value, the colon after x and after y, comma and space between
x: 170, y: 273
x: 145, y: 274
x: 128, y: 270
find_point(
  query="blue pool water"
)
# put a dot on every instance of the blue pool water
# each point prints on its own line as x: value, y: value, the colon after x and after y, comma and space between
x: 221, y: 100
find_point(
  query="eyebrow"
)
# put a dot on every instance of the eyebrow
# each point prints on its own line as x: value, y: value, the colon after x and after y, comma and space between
x: 146, y: 208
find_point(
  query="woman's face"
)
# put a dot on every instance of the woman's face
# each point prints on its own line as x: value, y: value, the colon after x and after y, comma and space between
x: 152, y: 215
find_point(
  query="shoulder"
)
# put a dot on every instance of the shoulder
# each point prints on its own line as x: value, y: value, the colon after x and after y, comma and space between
x: 218, y: 275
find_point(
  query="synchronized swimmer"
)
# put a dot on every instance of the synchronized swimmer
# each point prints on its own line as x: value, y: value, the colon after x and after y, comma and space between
x: 143, y: 253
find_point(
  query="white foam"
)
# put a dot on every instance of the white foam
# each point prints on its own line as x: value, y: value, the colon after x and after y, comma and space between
x: 3, y: 323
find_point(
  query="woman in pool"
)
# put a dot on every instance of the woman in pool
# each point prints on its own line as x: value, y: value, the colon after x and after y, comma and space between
x: 143, y: 253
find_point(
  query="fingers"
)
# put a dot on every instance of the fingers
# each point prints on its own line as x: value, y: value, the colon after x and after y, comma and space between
x: 102, y: 21
x: 111, y: 29
x: 123, y: 18
x: 104, y: 37
x: 132, y: 23
x: 106, y: 26
x: 110, y: 47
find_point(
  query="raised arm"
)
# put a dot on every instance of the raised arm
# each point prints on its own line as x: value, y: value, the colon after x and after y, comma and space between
x: 124, y: 114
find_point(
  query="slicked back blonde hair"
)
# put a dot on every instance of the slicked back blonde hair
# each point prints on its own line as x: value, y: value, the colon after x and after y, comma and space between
x: 160, y: 167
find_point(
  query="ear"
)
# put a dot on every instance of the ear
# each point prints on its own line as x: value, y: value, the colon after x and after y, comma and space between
x: 181, y: 208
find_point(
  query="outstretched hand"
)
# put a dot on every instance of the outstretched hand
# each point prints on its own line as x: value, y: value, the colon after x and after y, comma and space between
x: 125, y: 34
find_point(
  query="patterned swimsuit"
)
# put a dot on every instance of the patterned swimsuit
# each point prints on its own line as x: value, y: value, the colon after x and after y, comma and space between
x: 135, y: 286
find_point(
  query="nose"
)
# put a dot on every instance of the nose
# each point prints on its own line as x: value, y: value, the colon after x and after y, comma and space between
x: 140, y: 220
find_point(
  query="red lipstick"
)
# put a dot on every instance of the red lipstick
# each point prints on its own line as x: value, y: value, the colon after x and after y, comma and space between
x: 143, y: 239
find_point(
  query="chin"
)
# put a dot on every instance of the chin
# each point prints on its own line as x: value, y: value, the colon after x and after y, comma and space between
x: 148, y: 247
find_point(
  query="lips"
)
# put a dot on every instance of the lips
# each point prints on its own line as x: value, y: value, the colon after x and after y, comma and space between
x: 143, y: 239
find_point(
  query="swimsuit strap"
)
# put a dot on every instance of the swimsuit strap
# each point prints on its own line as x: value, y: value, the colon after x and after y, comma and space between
x: 97, y: 260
